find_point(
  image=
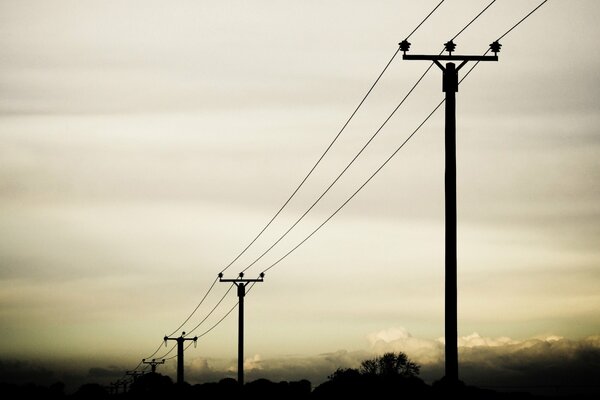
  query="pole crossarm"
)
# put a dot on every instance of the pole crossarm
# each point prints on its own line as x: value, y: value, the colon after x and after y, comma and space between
x: 153, y: 363
x: 448, y: 57
x: 241, y: 280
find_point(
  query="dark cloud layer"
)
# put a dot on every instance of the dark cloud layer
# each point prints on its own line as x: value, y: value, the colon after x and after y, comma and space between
x: 548, y: 365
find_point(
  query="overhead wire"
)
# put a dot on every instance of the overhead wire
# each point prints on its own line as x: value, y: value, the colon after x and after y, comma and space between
x: 473, y: 20
x: 397, y: 149
x: 211, y: 311
x: 307, y: 175
x: 195, y: 309
x: 360, y: 187
x: 330, y: 144
x: 227, y: 314
x: 338, y: 177
x: 425, y: 19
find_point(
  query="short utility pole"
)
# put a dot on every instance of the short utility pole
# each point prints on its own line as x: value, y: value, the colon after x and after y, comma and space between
x: 180, y: 340
x: 241, y: 284
x: 450, y: 87
x: 134, y: 374
x: 153, y: 363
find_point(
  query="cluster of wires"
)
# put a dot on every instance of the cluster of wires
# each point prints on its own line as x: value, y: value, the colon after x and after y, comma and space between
x: 167, y: 355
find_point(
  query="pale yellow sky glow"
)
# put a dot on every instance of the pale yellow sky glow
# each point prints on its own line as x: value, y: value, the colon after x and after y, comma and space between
x: 143, y: 144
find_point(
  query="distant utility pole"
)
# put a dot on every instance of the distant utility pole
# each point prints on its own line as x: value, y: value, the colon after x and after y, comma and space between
x: 134, y: 374
x: 153, y: 363
x: 241, y: 284
x: 450, y: 87
x: 180, y: 340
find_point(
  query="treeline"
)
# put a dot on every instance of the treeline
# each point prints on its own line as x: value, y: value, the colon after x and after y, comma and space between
x: 391, y: 374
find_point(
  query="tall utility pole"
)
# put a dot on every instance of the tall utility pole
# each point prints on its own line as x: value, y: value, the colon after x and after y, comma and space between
x: 450, y: 87
x: 180, y: 340
x: 153, y: 363
x: 241, y: 284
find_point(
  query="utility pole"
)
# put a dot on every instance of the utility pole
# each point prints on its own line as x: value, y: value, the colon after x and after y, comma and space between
x: 241, y: 284
x: 180, y: 340
x: 153, y: 363
x: 450, y: 87
x: 134, y: 374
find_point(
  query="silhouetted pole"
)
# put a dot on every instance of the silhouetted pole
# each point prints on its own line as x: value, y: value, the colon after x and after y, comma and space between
x: 180, y: 340
x: 241, y: 283
x: 450, y: 87
x: 134, y: 374
x: 153, y: 363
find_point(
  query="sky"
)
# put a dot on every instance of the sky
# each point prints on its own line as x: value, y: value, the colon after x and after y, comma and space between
x: 143, y: 144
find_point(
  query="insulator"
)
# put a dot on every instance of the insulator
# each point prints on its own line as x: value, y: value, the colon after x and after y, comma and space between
x: 450, y: 46
x: 404, y: 45
x: 495, y: 47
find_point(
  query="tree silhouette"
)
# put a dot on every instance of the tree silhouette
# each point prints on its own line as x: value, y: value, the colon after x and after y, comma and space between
x: 390, y: 364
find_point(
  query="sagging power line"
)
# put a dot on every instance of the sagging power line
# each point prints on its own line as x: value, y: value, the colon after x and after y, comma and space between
x: 363, y: 185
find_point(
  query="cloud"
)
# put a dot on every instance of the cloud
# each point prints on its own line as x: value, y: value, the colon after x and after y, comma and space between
x: 484, y: 361
x: 502, y: 362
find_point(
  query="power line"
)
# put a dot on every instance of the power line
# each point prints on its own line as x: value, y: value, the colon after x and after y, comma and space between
x: 211, y: 311
x: 362, y: 186
x: 341, y: 173
x: 314, y: 166
x: 299, y: 186
x: 328, y: 147
x: 424, y: 19
x: 195, y: 309
x: 226, y: 315
x: 522, y: 19
x: 473, y: 20
x: 397, y: 149
x: 301, y: 182
x: 359, y: 152
x: 358, y: 190
x: 168, y: 352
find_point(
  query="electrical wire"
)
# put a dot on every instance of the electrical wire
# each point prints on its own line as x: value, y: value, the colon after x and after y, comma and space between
x: 328, y: 147
x: 304, y: 179
x: 227, y: 314
x: 358, y: 190
x: 338, y: 177
x: 195, y: 309
x: 522, y: 19
x: 164, y: 356
x: 397, y: 149
x: 424, y: 19
x: 360, y: 187
x: 314, y: 166
x: 360, y: 151
x: 473, y: 20
x: 211, y: 311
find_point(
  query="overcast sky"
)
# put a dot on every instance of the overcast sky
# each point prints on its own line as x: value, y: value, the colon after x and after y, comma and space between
x: 143, y: 144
